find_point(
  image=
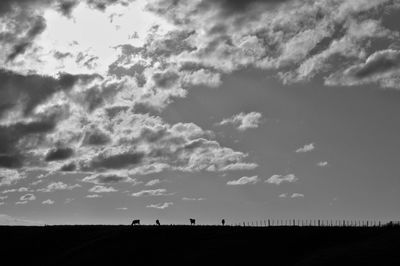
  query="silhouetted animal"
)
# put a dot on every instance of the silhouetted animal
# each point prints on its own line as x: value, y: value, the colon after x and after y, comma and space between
x: 192, y: 221
x: 158, y: 222
x: 223, y: 221
x: 136, y: 222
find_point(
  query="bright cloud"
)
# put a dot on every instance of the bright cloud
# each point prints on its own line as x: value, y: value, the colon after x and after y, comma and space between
x: 92, y: 196
x: 306, y: 148
x: 322, y: 164
x: 151, y: 192
x: 243, y: 121
x: 243, y: 181
x: 153, y: 182
x: 9, y: 176
x: 55, y: 186
x: 279, y: 179
x: 48, y: 202
x: 192, y: 199
x: 297, y: 195
x: 102, y: 189
x: 160, y: 206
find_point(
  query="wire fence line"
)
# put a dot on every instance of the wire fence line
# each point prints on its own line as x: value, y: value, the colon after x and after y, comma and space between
x: 298, y: 223
x: 316, y: 223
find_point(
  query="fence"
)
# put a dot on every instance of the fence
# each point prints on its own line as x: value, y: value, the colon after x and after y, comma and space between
x: 317, y: 223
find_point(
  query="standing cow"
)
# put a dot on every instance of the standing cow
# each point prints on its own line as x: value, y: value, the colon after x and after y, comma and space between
x: 192, y: 221
x: 135, y: 222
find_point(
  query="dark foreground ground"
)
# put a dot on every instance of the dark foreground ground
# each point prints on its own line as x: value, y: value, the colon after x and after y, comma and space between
x: 198, y: 245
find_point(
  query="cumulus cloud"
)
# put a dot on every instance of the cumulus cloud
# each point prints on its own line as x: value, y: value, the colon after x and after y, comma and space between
x: 144, y: 144
x: 9, y: 177
x: 92, y: 196
x: 25, y: 199
x: 151, y: 192
x: 279, y: 179
x: 192, y: 199
x: 56, y: 186
x: 381, y: 67
x: 306, y: 148
x: 160, y: 206
x: 102, y: 189
x: 48, y: 202
x: 243, y: 181
x: 293, y: 195
x: 110, y: 179
x: 322, y: 164
x: 297, y: 195
x: 9, y: 191
x: 243, y: 121
x: 153, y: 182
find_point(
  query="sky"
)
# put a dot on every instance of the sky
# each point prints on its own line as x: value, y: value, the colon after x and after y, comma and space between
x: 113, y: 110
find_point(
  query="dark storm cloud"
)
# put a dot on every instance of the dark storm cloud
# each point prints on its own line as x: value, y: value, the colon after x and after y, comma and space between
x: 225, y: 7
x: 135, y: 70
x: 237, y: 6
x: 66, y: 7
x: 165, y: 79
x: 59, y: 55
x: 96, y: 137
x: 378, y: 63
x: 10, y: 161
x: 115, y: 110
x: 117, y: 161
x: 70, y: 167
x: 59, y: 154
x: 143, y: 108
x: 8, y: 5
x: 11, y: 156
x: 107, y: 179
x: 36, y: 29
x: 103, y: 4
x: 173, y: 43
x: 31, y: 90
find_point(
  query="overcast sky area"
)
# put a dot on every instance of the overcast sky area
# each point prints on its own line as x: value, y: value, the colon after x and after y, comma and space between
x: 112, y: 110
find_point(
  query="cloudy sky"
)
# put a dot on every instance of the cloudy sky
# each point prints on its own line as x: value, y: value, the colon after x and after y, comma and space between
x: 168, y: 109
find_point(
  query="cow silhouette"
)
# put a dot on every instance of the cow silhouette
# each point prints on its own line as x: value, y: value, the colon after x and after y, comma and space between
x: 136, y: 222
x: 223, y: 221
x: 192, y: 221
x: 158, y: 222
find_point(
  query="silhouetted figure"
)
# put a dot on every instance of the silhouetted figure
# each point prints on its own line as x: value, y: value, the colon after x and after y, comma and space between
x: 158, y: 222
x: 136, y: 222
x: 223, y: 222
x: 192, y: 221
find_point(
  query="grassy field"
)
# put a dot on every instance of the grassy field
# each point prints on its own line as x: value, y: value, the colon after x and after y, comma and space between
x: 199, y: 245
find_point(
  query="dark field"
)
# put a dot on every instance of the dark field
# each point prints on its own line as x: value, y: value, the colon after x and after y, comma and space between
x: 199, y: 245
